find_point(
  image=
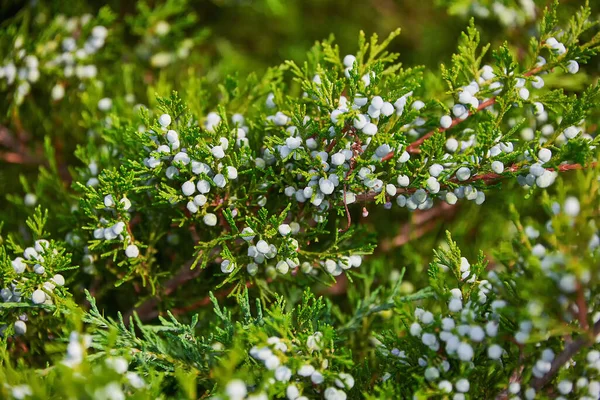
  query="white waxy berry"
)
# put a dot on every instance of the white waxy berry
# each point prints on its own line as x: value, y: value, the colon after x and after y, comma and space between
x: 292, y: 392
x: 552, y: 42
x: 520, y: 83
x: 218, y: 152
x: 507, y: 147
x: 338, y: 159
x: 360, y: 121
x: 476, y: 334
x: 568, y: 283
x: 289, y: 191
x: 419, y: 196
x: 335, y: 115
x: 132, y: 251
x: 435, y: 170
x: 463, y: 173
x: 573, y: 67
x: 451, y: 145
x: 109, y: 201
x: 404, y: 157
x: 20, y: 329
x: 192, y: 207
x: 536, y: 170
x: 252, y: 269
x: 126, y: 203
x: 41, y: 245
x: 546, y: 179
x: 270, y: 103
x: 465, y: 352
x: 98, y: 233
x: 236, y: 389
x: 171, y: 172
x: 431, y: 374
x: 494, y: 352
x: 545, y: 155
x: 284, y: 229
x: 387, y: 109
x: 280, y: 119
x: 59, y: 280
x: 465, y: 97
x: 182, y: 157
x: 30, y: 199
x: 487, y: 72
x: 366, y: 78
x: 360, y: 101
x: 18, y: 265
x: 306, y: 370
x: 496, y: 85
x: 326, y: 186
x: 227, y: 266
x: 58, y: 92
x: 164, y: 120
x: 451, y: 198
x: 565, y: 387
x: 459, y: 110
x: 110, y: 234
x: 38, y: 296
x: 571, y: 132
x: 403, y: 180
x: 224, y: 143
x: 455, y: 305
x: 262, y: 246
x: 219, y: 180
x: 462, y: 385
x: 188, y: 188
x: 572, y: 206
x: 200, y: 168
x: 210, y: 219
x: 497, y: 166
x: 30, y: 254
x: 433, y: 185
x: 446, y: 121
x: 282, y: 267
x: 232, y: 173
x: 199, y: 200
x: 373, y: 112
x: 370, y: 129
x: 238, y: 119
x: 390, y: 189
x: 317, y: 378
x: 377, y: 102
x: 383, y: 150
x: 349, y: 60
x: 247, y: 234
x: 105, y: 104
x: 524, y: 93
x: 172, y: 136
x: 203, y: 186
x: 537, y: 82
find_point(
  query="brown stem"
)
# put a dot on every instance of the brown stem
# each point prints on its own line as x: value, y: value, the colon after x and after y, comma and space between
x: 18, y: 158
x: 486, y: 178
x: 414, y: 146
x: 570, y: 350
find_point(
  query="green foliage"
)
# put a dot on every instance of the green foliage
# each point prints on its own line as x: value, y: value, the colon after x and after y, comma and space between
x: 185, y: 223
